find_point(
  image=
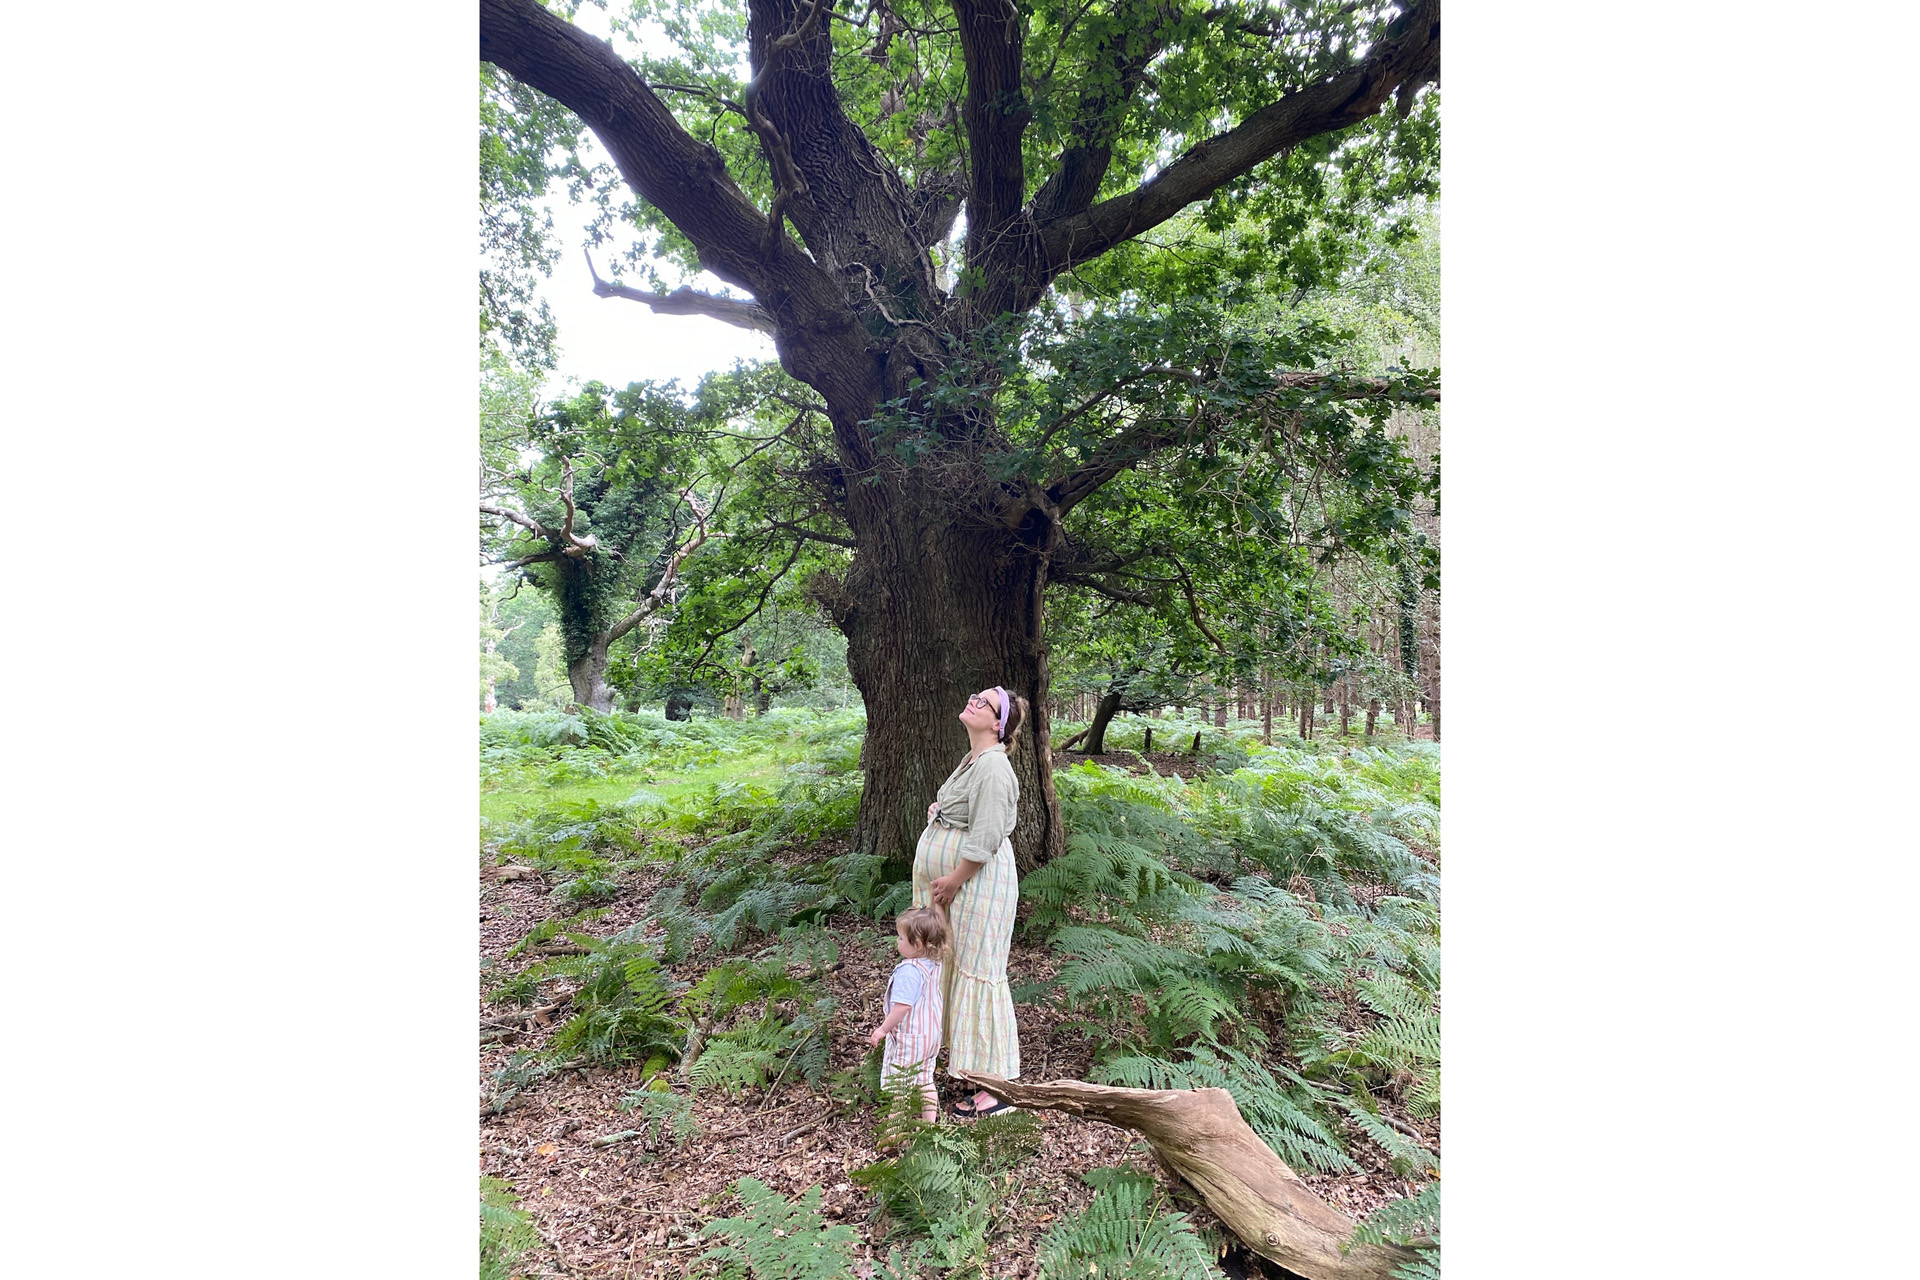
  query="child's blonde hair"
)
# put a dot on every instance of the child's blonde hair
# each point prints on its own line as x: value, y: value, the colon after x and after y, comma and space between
x: 925, y: 928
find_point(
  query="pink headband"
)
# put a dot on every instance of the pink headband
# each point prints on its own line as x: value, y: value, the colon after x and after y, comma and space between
x: 1006, y: 701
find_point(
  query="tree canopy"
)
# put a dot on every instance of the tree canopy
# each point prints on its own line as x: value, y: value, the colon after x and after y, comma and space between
x: 1024, y: 264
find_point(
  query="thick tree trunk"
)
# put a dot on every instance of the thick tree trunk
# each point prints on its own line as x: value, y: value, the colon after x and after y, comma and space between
x: 933, y: 611
x: 1373, y: 714
x: 1102, y: 716
x: 1201, y: 1137
x: 587, y: 674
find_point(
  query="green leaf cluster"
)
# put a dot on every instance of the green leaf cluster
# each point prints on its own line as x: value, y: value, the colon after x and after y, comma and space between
x: 1127, y: 1233
x: 778, y: 1239
x: 506, y: 1233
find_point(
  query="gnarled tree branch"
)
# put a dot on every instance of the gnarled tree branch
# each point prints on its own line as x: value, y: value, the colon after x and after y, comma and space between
x: 1413, y: 55
x: 1089, y: 150
x: 683, y: 177
x: 532, y: 525
x: 996, y: 113
x: 1106, y: 589
x: 656, y: 599
x: 686, y: 301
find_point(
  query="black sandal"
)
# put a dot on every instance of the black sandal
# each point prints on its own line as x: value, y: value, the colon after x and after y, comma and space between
x: 964, y: 1108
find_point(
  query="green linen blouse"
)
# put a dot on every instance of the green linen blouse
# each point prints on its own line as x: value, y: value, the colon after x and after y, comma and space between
x: 982, y: 798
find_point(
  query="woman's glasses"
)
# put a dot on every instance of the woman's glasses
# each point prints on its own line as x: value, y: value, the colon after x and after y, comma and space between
x: 975, y: 700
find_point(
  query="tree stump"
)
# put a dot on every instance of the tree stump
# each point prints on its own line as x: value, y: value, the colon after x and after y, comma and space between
x: 1199, y: 1134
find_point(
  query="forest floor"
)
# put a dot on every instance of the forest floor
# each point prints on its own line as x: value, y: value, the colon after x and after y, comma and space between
x: 609, y: 1203
x: 635, y: 1210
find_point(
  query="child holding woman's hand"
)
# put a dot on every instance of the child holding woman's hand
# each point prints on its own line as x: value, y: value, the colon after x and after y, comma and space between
x: 911, y: 1029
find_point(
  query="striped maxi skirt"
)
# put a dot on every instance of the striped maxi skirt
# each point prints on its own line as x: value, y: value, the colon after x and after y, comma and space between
x: 980, y: 1034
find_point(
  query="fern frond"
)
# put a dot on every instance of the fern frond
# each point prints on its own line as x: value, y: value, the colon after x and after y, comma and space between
x: 1406, y: 1155
x: 778, y: 1240
x: 1411, y: 1220
x: 1126, y: 1234
x: 506, y: 1234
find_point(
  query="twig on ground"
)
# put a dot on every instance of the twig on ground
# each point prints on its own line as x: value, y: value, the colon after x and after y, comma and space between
x: 788, y: 1063
x: 524, y: 1015
x: 611, y: 1139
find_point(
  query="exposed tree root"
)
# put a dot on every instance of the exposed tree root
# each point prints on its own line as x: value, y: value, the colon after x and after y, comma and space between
x: 1200, y: 1136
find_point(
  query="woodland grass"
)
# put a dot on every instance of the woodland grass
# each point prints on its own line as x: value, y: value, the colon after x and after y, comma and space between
x: 766, y: 768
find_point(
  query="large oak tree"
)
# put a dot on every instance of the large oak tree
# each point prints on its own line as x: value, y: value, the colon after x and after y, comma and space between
x: 826, y: 190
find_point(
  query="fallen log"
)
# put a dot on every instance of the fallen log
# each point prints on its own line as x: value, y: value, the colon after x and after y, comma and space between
x: 1200, y: 1136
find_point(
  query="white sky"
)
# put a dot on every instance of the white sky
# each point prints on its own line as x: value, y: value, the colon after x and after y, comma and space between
x: 619, y: 341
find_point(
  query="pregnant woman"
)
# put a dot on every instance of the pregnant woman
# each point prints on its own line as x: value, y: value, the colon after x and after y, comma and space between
x: 965, y: 865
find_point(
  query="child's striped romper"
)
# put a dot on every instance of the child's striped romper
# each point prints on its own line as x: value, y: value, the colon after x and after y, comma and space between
x: 914, y: 1042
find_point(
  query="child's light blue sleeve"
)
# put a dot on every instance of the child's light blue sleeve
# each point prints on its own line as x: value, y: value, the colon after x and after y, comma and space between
x: 906, y: 986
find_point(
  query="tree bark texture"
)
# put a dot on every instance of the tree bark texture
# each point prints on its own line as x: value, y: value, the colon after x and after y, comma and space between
x: 1201, y: 1137
x: 587, y: 674
x: 932, y: 613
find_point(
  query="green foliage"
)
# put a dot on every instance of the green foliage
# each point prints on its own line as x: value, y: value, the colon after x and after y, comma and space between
x: 664, y: 1114
x: 621, y: 1001
x: 779, y: 1240
x: 768, y: 1048
x: 1401, y: 1048
x: 520, y: 1072
x: 1288, y: 1114
x: 506, y: 1233
x: 1125, y: 880
x: 1188, y: 984
x: 743, y: 882
x: 1407, y: 1155
x: 1414, y: 1221
x: 943, y: 1183
x: 759, y: 1023
x: 1126, y: 1233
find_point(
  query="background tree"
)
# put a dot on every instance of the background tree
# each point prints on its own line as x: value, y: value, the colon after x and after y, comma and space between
x: 494, y: 666
x: 954, y: 490
x: 606, y: 540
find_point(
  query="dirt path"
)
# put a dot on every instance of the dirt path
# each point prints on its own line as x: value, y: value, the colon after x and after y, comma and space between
x: 624, y: 1211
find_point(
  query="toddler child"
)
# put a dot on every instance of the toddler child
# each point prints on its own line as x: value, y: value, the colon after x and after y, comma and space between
x: 911, y: 1028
